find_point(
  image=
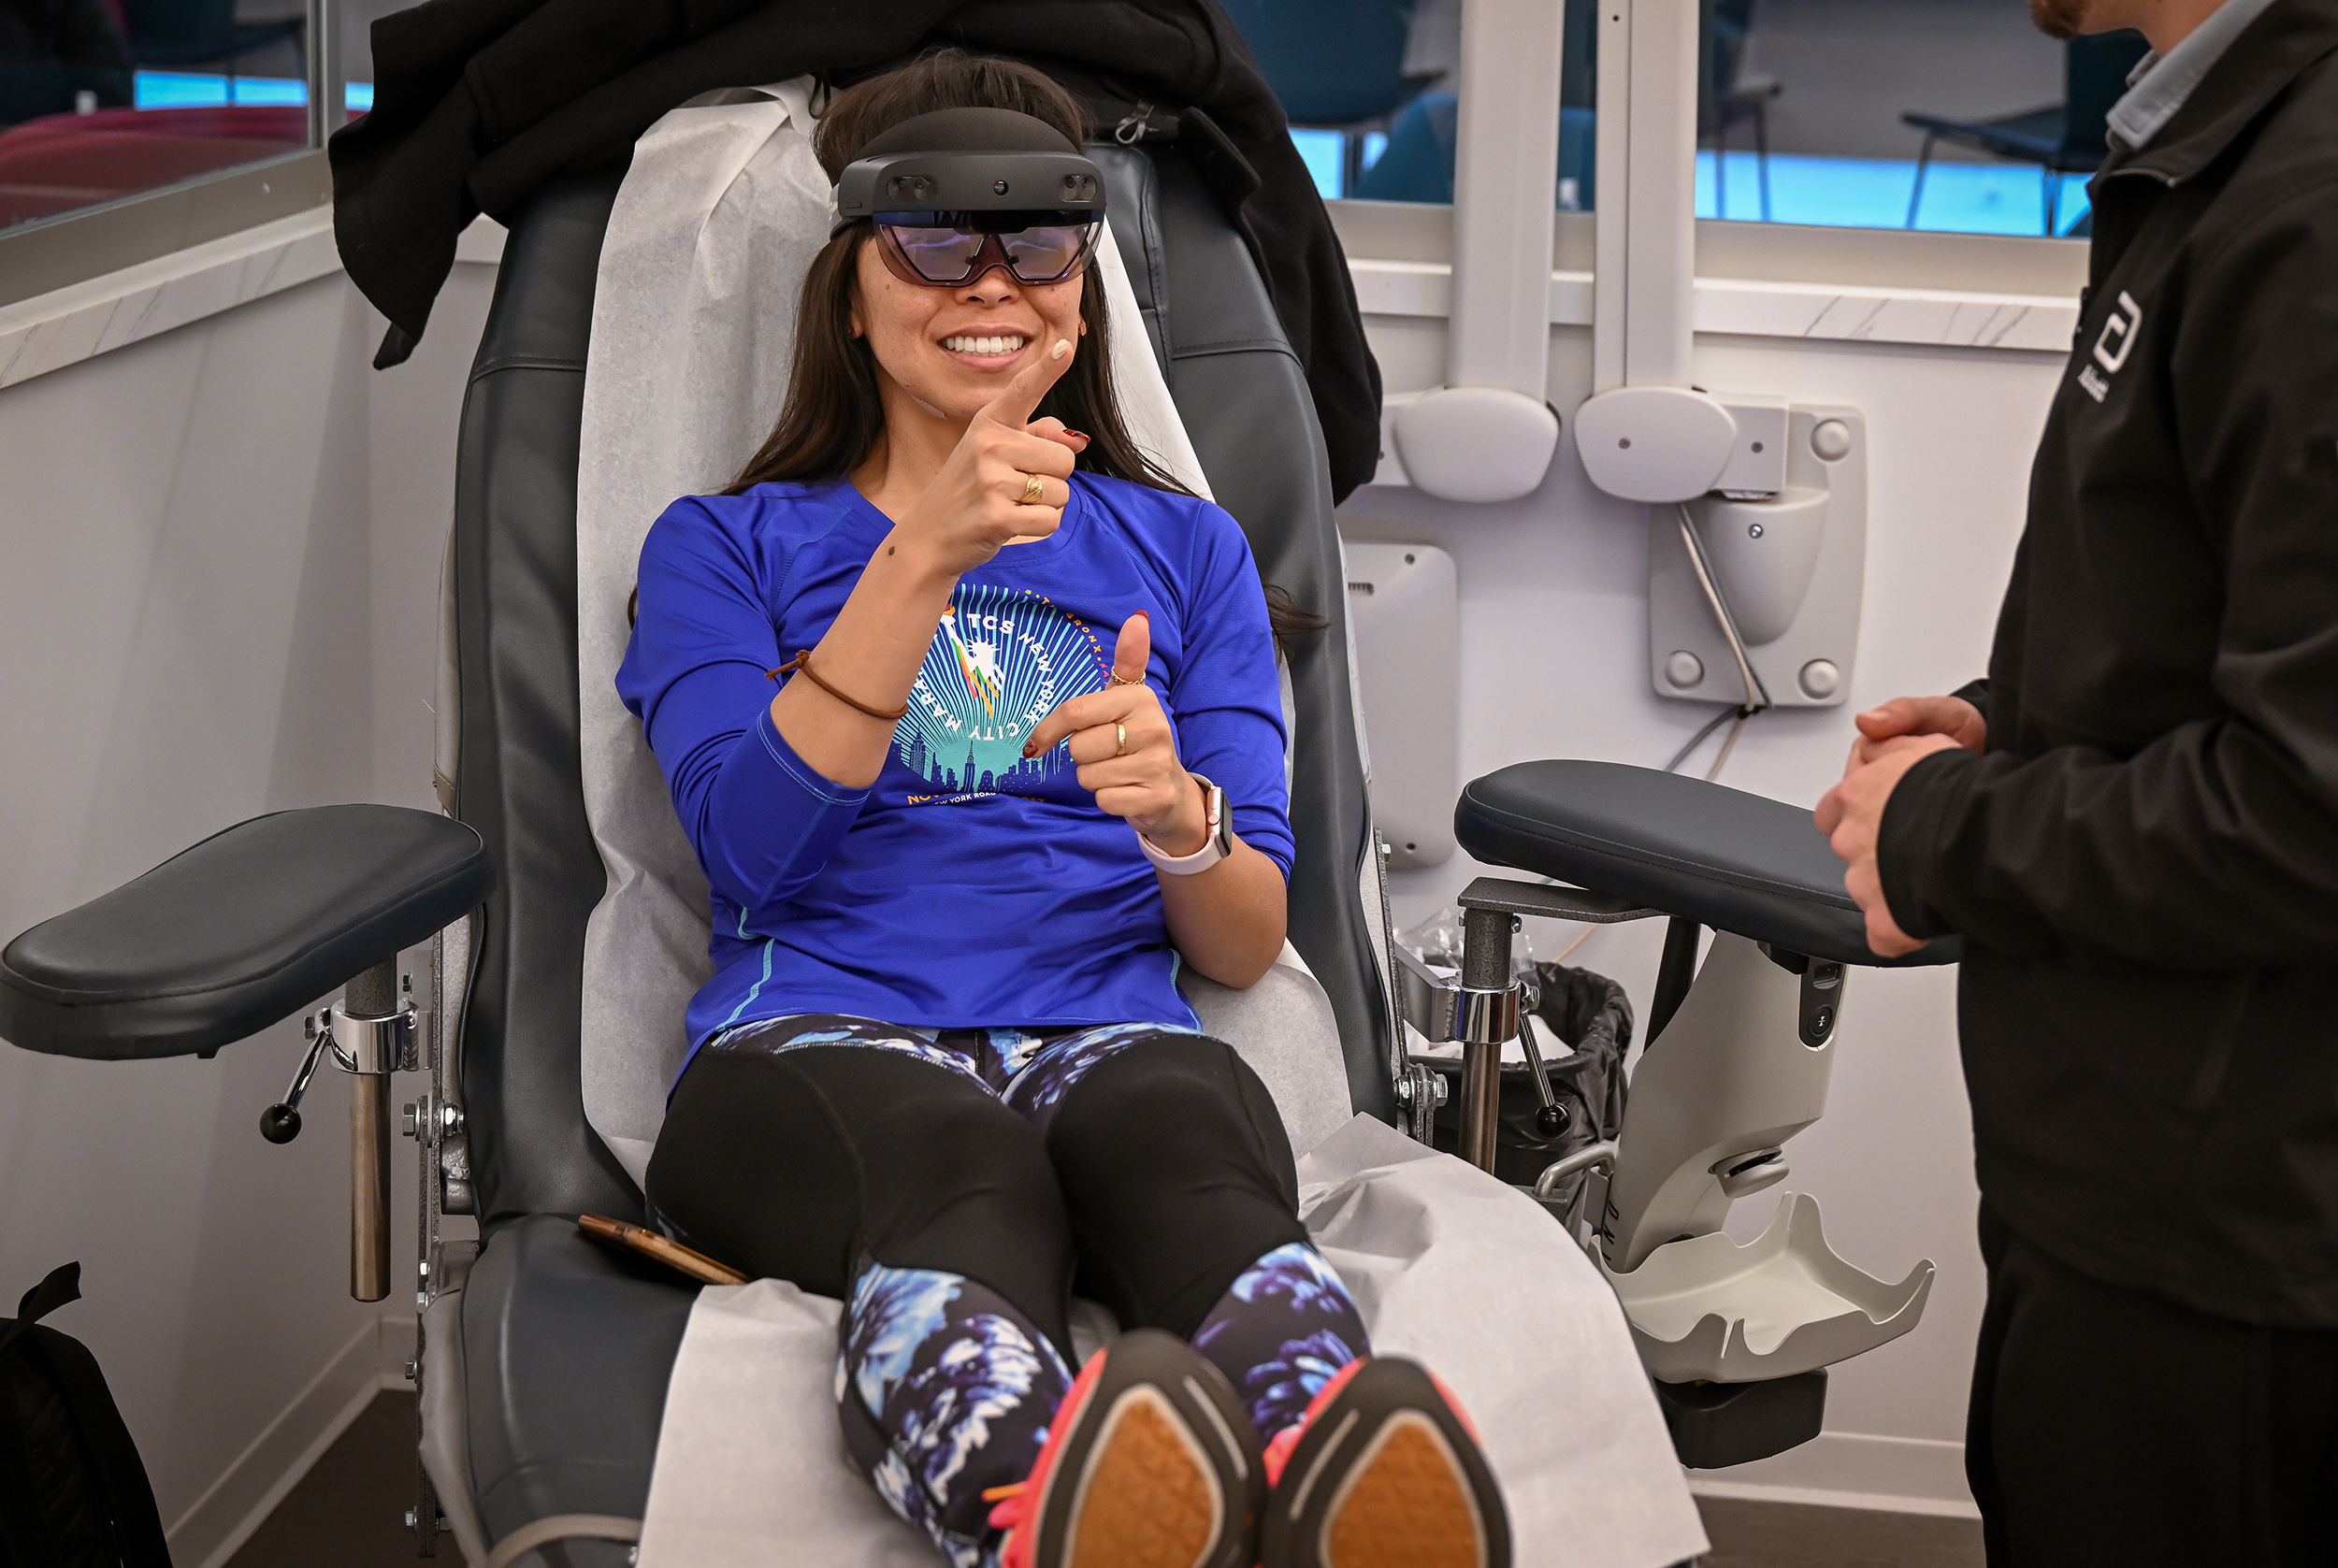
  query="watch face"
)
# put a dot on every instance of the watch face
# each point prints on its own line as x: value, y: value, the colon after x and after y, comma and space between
x: 1221, y: 821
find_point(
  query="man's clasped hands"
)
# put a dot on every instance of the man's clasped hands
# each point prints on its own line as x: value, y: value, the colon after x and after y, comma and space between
x: 1893, y: 739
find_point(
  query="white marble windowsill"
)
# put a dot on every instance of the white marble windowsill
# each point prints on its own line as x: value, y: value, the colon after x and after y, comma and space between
x: 1746, y: 308
x: 51, y: 331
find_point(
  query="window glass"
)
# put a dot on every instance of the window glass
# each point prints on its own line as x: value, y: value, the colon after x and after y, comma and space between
x: 1930, y: 114
x: 102, y: 99
x: 1371, y: 88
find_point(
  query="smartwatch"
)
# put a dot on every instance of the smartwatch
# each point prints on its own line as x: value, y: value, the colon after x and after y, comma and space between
x: 1214, y: 848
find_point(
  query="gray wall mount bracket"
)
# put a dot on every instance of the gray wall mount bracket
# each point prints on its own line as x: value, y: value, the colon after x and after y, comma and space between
x: 1792, y: 566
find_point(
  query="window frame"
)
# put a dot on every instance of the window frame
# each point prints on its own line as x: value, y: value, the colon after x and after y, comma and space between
x: 89, y: 242
x: 52, y: 253
x: 1928, y: 259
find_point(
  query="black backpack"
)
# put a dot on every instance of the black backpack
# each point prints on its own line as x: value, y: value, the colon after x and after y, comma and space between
x: 73, y: 1493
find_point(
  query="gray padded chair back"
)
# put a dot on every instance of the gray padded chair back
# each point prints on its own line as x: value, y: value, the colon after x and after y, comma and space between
x: 1244, y: 401
x: 1245, y: 405
x: 518, y: 781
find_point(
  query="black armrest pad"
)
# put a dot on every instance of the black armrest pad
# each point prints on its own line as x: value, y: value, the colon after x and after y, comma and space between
x: 243, y: 929
x: 1720, y: 856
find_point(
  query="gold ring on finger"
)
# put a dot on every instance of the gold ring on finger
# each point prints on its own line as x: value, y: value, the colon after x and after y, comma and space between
x: 1032, y: 490
x: 1121, y: 731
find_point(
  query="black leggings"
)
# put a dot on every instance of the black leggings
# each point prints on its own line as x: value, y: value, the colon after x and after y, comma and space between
x: 1159, y: 1173
x: 954, y: 1187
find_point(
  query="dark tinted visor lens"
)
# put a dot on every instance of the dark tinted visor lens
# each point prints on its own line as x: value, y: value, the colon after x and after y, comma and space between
x: 939, y: 255
x: 946, y: 247
x: 1045, y: 254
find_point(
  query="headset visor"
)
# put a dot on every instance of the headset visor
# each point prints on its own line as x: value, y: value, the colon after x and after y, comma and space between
x: 948, y: 249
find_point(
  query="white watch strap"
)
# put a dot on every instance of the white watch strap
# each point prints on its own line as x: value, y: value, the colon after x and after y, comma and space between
x: 1201, y: 859
x: 1213, y: 848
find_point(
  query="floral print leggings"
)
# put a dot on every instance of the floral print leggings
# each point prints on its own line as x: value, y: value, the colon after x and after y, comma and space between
x: 956, y: 1186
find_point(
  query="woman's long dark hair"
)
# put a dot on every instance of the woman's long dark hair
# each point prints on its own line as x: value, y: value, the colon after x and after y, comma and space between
x: 834, y: 414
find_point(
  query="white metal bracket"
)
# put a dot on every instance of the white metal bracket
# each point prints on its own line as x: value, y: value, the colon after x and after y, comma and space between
x: 1488, y: 433
x: 1757, y: 541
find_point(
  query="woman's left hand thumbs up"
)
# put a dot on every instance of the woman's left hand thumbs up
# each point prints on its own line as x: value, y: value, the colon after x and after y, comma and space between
x: 1126, y: 753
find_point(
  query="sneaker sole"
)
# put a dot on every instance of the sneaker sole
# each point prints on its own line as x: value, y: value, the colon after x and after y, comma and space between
x: 1159, y: 1475
x: 1387, y: 1476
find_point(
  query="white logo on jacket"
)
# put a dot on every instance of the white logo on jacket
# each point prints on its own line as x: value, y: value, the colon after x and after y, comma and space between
x: 2112, y: 348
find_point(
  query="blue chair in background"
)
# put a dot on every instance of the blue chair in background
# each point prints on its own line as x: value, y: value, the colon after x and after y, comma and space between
x: 1334, y: 64
x: 2070, y: 137
x: 1729, y: 96
x: 1418, y: 163
x: 1330, y: 62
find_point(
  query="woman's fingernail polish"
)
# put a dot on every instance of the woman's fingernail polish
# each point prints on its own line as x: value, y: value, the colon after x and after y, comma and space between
x: 1062, y: 347
x: 1077, y: 435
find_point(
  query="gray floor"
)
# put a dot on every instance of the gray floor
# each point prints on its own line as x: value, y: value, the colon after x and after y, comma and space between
x: 346, y: 1512
x: 1787, y: 1535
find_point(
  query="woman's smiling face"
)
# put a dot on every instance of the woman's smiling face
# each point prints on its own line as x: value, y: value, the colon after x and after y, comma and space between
x: 953, y: 349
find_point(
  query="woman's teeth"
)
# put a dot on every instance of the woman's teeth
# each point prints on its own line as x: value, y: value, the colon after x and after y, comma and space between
x: 985, y: 345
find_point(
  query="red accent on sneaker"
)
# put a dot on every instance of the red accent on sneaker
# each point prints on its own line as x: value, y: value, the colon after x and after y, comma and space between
x: 1018, y: 1515
x: 1279, y: 1448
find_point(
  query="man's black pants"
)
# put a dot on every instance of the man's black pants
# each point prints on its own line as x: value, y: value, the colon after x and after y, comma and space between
x: 2114, y: 1428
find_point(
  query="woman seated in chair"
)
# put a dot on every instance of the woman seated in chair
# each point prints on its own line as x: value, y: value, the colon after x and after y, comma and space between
x: 1024, y: 755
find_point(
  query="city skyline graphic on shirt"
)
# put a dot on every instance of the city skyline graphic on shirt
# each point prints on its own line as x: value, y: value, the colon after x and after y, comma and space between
x: 1003, y: 659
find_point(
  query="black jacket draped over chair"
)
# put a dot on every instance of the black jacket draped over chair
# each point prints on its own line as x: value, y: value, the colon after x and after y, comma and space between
x: 478, y: 103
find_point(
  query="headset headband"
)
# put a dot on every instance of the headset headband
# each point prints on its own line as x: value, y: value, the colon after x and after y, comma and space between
x: 968, y: 160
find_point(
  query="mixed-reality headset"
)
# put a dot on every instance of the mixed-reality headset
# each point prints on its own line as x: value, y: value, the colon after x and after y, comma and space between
x: 959, y: 192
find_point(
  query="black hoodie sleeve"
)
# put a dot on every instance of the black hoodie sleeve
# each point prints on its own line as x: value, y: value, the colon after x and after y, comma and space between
x: 2216, y: 845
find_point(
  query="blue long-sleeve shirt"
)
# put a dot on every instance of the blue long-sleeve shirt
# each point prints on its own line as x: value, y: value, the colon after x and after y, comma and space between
x: 967, y: 886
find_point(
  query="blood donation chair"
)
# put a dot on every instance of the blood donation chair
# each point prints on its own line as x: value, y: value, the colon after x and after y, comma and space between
x: 543, y: 1377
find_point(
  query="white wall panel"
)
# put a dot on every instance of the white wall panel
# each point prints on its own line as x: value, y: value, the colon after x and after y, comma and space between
x: 1554, y: 664
x: 218, y: 554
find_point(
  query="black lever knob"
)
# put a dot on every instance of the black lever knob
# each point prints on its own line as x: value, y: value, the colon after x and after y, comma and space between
x: 1550, y: 1117
x: 280, y: 1122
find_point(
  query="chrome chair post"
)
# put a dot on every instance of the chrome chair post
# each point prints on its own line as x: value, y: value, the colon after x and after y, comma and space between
x: 371, y: 1026
x: 1489, y: 994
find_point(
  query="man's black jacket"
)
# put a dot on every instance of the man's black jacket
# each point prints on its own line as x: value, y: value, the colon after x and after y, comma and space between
x: 477, y: 103
x: 2144, y: 865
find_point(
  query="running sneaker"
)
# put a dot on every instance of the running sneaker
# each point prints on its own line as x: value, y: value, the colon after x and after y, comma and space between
x: 1150, y: 1462
x: 1383, y: 1471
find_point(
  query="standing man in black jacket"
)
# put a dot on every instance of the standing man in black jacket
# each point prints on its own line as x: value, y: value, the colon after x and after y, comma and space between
x: 2133, y: 822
